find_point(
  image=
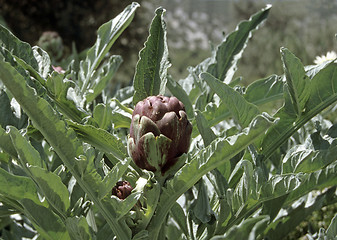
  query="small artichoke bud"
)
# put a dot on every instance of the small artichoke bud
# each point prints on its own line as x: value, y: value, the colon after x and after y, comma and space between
x: 122, y: 189
x: 52, y: 43
x: 159, y: 133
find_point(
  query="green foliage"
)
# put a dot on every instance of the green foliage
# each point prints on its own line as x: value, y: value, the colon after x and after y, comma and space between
x: 151, y: 71
x: 249, y: 174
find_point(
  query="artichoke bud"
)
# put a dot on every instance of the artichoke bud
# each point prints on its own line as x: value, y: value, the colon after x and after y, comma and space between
x: 159, y: 133
x: 51, y: 42
x: 122, y: 189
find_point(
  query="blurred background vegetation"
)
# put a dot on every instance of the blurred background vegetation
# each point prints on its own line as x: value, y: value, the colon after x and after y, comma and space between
x: 306, y: 27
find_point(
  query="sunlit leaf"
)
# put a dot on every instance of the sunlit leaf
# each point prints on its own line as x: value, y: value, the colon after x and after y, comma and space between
x: 6, y: 143
x: 242, y: 111
x: 18, y: 187
x: 150, y: 77
x: 17, y: 47
x: 179, y: 216
x: 249, y: 229
x: 102, y: 77
x: 206, y: 133
x: 48, y: 224
x: 106, y: 36
x: 100, y: 138
x: 323, y: 93
x: 297, y: 81
x: 181, y: 94
x: 230, y: 50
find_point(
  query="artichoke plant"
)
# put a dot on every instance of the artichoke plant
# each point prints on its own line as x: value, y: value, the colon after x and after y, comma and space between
x: 159, y: 133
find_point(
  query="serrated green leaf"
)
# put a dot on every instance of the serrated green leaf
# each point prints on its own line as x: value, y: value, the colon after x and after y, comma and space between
x: 102, y: 77
x: 323, y: 92
x: 149, y: 200
x: 100, y: 138
x: 35, y: 60
x: 18, y: 48
x: 289, y: 186
x: 331, y: 232
x: 43, y: 61
x: 297, y: 81
x: 52, y: 187
x: 298, y: 159
x: 89, y: 174
x: 206, y: 160
x: 18, y: 187
x: 244, y: 187
x: 323, y: 89
x: 61, y: 138
x: 279, y: 185
x: 58, y: 88
x: 229, y: 51
x: 280, y: 228
x: 25, y: 150
x: 215, y: 114
x: 248, y: 229
x: 259, y: 92
x: 201, y: 208
x: 49, y: 225
x: 19, y: 65
x: 317, y: 180
x: 6, y: 211
x: 49, y: 183
x: 242, y: 111
x: 179, y: 216
x: 264, y: 90
x: 102, y: 115
x: 7, y: 116
x: 43, y: 116
x: 78, y: 228
x: 151, y: 70
x: 40, y: 73
x: 120, y: 121
x: 206, y: 133
x: 106, y: 36
x: 6, y: 143
x: 177, y: 91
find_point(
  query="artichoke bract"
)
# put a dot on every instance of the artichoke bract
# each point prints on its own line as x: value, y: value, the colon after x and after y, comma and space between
x: 159, y: 133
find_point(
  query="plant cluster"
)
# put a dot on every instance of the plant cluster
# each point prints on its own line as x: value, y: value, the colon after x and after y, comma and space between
x: 162, y: 159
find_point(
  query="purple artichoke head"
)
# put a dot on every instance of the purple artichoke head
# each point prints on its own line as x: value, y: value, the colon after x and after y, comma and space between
x: 159, y: 133
x: 122, y: 189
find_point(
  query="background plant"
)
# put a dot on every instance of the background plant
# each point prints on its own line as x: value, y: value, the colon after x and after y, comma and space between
x: 248, y: 174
